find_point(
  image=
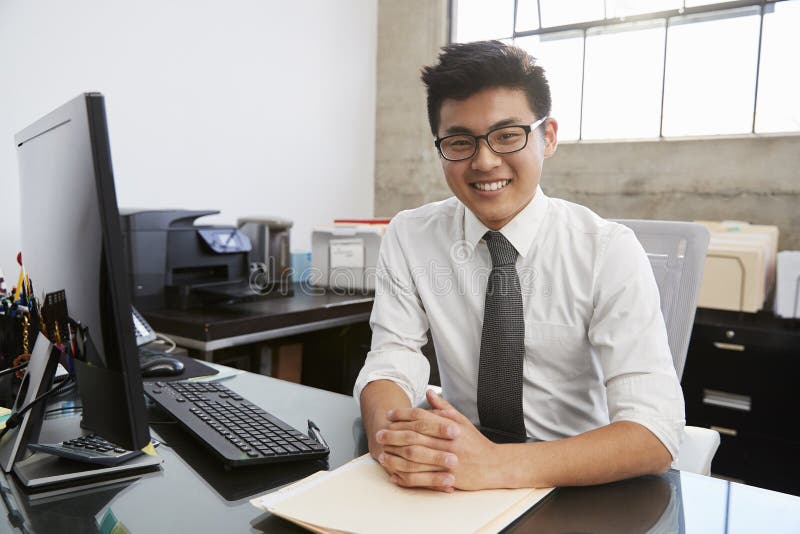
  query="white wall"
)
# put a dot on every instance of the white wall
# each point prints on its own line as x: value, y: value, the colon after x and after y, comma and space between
x: 251, y: 107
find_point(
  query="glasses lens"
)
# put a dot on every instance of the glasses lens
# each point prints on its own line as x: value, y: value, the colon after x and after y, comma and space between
x: 508, y: 139
x: 457, y: 146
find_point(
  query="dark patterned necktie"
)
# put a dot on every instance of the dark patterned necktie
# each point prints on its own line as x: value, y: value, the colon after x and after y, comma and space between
x: 502, y: 343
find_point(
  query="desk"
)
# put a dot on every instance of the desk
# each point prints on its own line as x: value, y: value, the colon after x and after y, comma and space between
x: 231, y: 325
x: 266, y: 324
x: 193, y: 493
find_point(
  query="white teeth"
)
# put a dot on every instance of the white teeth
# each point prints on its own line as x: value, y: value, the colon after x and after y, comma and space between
x: 491, y: 186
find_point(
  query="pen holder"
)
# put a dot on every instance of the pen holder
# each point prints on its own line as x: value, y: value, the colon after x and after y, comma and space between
x: 16, y: 326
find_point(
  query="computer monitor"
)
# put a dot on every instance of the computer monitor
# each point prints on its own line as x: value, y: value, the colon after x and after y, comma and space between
x: 71, y: 240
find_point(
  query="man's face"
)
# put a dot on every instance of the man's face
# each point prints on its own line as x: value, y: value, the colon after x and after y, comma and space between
x: 517, y: 173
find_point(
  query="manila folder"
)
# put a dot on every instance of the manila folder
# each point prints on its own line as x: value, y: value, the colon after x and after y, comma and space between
x: 359, y: 497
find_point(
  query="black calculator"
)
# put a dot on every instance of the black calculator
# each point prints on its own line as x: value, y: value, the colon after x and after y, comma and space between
x: 90, y: 449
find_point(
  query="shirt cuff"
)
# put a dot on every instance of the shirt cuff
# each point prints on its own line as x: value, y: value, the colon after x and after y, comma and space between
x: 652, y: 400
x: 409, y: 370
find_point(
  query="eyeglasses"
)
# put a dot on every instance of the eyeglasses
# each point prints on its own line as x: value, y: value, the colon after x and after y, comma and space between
x: 503, y: 140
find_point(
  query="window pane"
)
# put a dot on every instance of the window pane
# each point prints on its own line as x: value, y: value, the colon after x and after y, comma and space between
x: 779, y: 84
x: 622, y: 87
x: 693, y: 3
x: 527, y: 15
x: 561, y: 56
x: 624, y: 8
x: 477, y: 20
x: 560, y: 12
x: 711, y: 68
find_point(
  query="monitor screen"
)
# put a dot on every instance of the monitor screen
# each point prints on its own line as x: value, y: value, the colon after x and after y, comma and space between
x: 71, y: 240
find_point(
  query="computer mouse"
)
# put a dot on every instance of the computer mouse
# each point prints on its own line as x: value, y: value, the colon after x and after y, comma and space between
x: 161, y: 366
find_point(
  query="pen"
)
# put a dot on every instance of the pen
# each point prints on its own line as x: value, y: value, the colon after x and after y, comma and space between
x: 315, y: 433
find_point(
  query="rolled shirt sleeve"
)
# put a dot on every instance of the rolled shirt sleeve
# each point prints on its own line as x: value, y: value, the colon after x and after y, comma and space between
x: 399, y: 325
x: 628, y: 332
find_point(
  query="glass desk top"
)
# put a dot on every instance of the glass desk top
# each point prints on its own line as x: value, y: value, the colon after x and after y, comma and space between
x: 194, y: 493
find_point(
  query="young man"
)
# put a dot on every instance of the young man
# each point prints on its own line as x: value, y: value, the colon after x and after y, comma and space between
x: 545, y: 317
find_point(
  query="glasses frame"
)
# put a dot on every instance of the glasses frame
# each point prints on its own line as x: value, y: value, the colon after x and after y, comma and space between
x: 528, y: 128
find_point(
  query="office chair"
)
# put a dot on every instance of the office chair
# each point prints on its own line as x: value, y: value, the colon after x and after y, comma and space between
x: 677, y: 252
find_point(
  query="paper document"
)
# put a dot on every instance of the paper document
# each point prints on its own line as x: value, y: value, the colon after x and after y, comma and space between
x: 359, y: 497
x: 347, y: 253
x: 787, y: 290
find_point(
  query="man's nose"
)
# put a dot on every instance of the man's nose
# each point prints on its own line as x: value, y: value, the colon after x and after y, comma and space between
x: 485, y: 159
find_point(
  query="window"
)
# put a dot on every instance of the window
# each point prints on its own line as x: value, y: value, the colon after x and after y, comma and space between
x: 477, y: 20
x: 615, y: 104
x: 712, y: 74
x: 626, y: 69
x: 561, y: 54
x: 778, y: 108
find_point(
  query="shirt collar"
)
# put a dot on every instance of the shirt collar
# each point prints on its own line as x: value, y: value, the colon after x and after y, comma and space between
x: 520, y: 231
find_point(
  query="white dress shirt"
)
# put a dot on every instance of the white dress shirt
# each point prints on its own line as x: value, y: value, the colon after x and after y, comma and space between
x: 595, y: 342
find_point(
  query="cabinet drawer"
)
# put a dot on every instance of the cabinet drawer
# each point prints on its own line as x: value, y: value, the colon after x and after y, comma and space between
x: 752, y: 390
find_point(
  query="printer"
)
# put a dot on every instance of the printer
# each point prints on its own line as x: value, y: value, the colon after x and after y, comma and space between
x: 175, y: 263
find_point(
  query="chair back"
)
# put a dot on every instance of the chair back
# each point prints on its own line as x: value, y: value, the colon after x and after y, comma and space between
x: 677, y: 253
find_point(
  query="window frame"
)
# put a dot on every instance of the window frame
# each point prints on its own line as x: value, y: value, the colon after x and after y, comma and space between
x: 722, y: 9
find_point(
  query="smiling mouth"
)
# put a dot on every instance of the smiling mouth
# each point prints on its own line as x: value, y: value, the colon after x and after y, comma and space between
x: 490, y: 186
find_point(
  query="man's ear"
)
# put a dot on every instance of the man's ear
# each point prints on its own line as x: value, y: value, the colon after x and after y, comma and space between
x: 550, y: 137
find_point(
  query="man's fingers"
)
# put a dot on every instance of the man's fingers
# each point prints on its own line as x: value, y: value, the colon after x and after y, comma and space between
x: 435, y: 481
x: 408, y: 414
x: 398, y: 437
x: 441, y: 427
x: 417, y: 458
x: 449, y: 413
x: 437, y: 402
x: 405, y: 437
x: 425, y: 422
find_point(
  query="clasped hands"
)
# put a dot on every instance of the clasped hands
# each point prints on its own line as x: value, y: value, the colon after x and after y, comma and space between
x: 438, y: 449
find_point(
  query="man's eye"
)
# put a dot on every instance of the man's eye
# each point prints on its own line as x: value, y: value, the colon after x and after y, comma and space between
x: 459, y: 143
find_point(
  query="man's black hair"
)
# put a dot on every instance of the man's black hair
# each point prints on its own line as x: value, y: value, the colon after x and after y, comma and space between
x: 468, y: 68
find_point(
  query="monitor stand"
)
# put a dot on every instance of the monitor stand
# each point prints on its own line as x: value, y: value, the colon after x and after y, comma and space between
x: 37, y: 380
x: 44, y: 472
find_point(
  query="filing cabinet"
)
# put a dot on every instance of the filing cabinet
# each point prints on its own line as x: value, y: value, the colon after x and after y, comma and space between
x: 742, y: 378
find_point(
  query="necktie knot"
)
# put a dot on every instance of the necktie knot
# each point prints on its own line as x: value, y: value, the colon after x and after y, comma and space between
x: 500, y: 248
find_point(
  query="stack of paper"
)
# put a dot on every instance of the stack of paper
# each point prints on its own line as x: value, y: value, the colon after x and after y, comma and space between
x: 787, y: 289
x: 359, y: 497
x: 740, y: 266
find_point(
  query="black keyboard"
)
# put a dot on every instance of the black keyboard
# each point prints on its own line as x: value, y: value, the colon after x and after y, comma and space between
x: 236, y: 430
x: 88, y: 449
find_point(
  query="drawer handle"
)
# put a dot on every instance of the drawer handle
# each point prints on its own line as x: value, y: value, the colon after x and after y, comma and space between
x: 729, y: 346
x: 726, y: 400
x: 725, y: 430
